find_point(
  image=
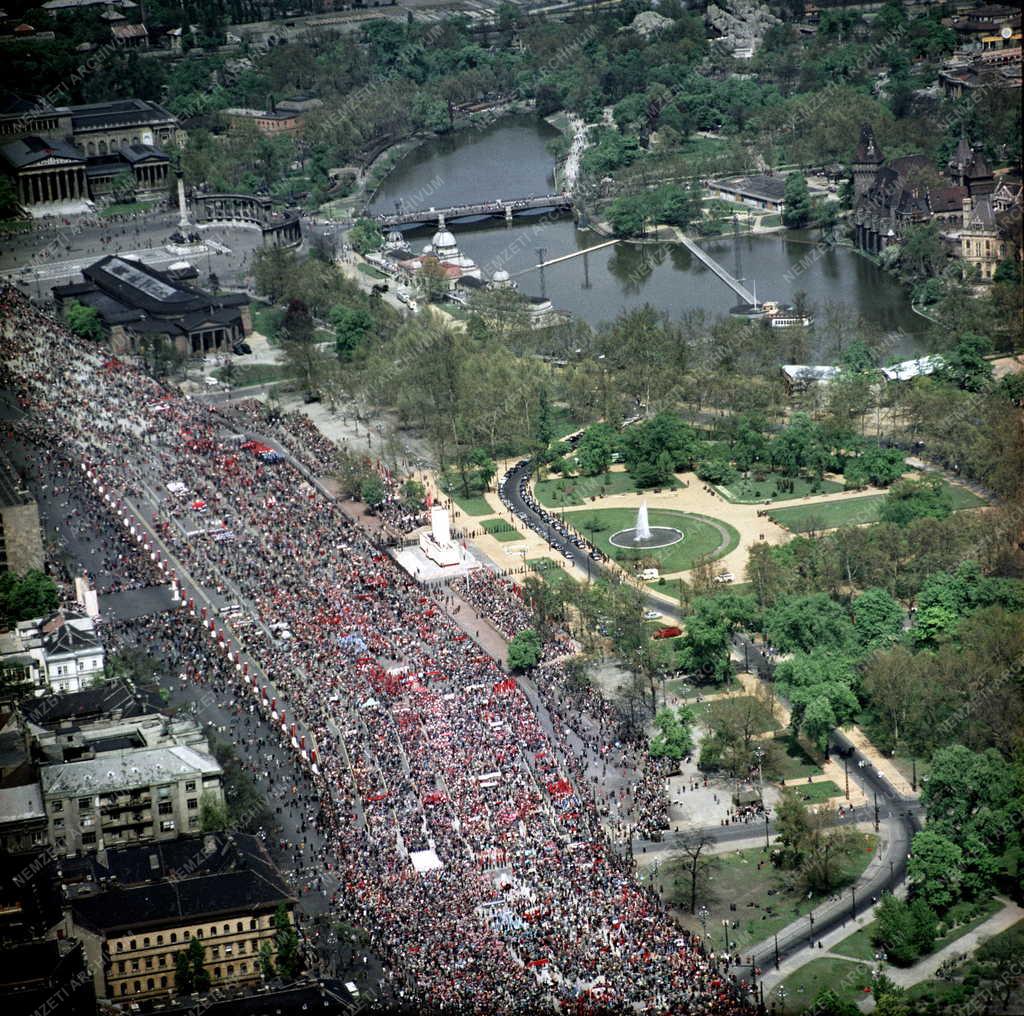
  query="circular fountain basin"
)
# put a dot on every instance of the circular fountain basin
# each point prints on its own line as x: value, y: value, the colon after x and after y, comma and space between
x: 660, y: 536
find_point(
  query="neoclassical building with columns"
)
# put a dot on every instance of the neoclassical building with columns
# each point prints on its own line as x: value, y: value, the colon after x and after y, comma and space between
x: 60, y: 157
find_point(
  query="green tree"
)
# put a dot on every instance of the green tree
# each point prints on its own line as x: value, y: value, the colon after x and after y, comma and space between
x: 877, y: 618
x: 796, y: 209
x: 935, y: 868
x: 184, y: 982
x: 674, y: 738
x: 190, y: 974
x: 965, y: 365
x: 23, y: 597
x: 807, y: 623
x: 373, y: 491
x: 365, y: 236
x: 905, y: 931
x: 213, y: 813
x: 524, y: 650
x: 286, y: 944
x: 266, y: 959
x: 297, y: 323
x: 628, y: 215
x: 84, y: 321
x: 595, y: 449
x: 914, y: 499
x: 352, y: 326
x: 413, y: 494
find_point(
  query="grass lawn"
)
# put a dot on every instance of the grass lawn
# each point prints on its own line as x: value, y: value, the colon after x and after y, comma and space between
x: 858, y: 945
x: 754, y: 492
x: 370, y: 271
x: 962, y: 497
x: 16, y: 225
x: 846, y: 978
x: 573, y: 491
x: 266, y: 318
x: 244, y: 374
x: 562, y: 423
x: 745, y: 706
x: 856, y: 511
x: 700, y: 536
x: 815, y: 793
x: 473, y: 505
x: 771, y: 220
x: 501, y: 530
x: 794, y: 763
x: 549, y: 571
x: 736, y: 878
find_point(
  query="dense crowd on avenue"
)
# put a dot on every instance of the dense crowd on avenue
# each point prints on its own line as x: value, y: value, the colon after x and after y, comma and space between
x: 452, y: 801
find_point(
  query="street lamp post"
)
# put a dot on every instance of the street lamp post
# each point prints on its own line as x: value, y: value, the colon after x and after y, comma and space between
x: 876, y: 811
x: 846, y: 775
x: 725, y: 932
x: 913, y: 778
x: 766, y: 844
x: 853, y: 902
x: 702, y: 915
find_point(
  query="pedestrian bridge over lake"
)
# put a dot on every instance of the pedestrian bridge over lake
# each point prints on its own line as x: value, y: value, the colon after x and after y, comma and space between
x: 506, y: 208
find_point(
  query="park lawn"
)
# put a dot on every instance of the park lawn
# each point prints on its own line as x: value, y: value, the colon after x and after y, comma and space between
x: 501, y: 530
x: 962, y: 497
x: 794, y: 762
x: 771, y: 220
x: 244, y: 374
x: 761, y: 719
x: 472, y: 505
x: 265, y: 319
x: 845, y: 977
x: 570, y: 492
x: 370, y: 271
x: 736, y: 878
x: 856, y: 511
x: 858, y: 945
x: 816, y: 793
x: 754, y: 492
x: 700, y: 537
x: 549, y: 571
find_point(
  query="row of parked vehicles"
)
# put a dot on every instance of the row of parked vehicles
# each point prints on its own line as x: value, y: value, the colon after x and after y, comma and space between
x: 546, y: 524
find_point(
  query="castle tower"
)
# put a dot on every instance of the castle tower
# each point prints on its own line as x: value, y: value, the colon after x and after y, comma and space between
x: 867, y: 161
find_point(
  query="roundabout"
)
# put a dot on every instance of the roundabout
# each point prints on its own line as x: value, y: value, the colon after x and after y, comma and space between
x: 643, y: 536
x: 678, y: 538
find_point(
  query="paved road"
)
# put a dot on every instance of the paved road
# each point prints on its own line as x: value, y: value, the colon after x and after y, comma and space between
x: 900, y: 817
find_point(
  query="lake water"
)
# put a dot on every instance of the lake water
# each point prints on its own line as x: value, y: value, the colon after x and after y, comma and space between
x: 509, y: 159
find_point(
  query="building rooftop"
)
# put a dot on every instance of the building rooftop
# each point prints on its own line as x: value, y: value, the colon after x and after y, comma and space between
x: 909, y: 369
x: 805, y: 372
x: 32, y: 149
x: 118, y: 112
x: 90, y: 704
x: 759, y: 185
x: 233, y: 875
x: 19, y: 804
x: 141, y: 767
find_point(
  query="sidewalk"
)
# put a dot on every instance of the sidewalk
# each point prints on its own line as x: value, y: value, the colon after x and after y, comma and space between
x: 899, y: 782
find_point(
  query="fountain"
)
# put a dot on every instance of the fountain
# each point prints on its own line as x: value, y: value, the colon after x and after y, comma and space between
x: 644, y: 536
x: 643, y: 527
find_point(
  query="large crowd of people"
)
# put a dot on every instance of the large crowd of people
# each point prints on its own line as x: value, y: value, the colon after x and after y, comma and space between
x: 452, y: 801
